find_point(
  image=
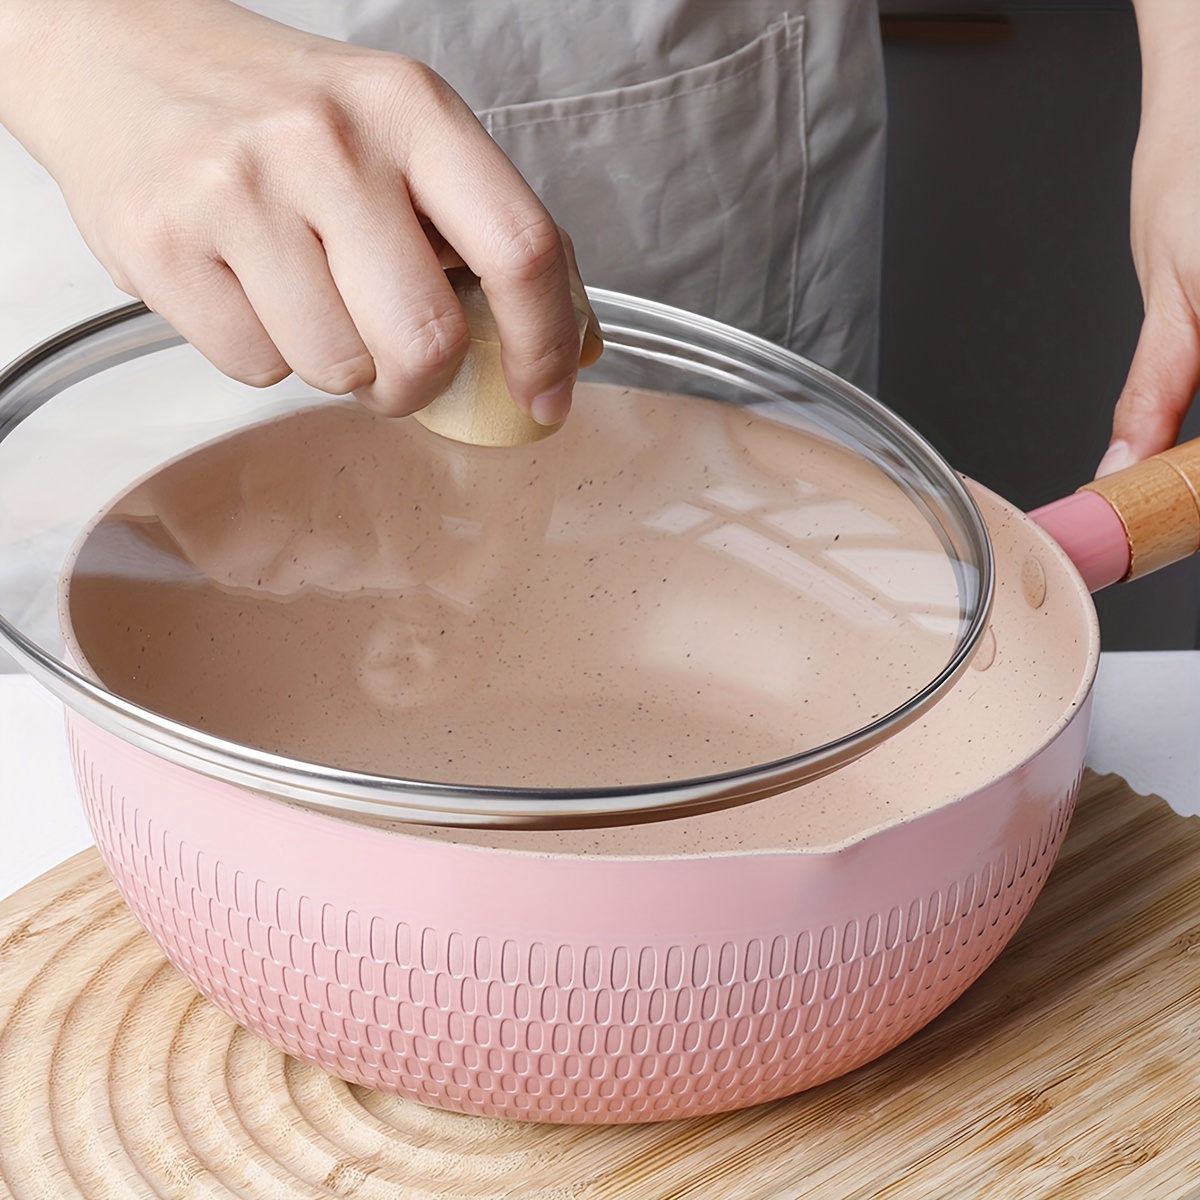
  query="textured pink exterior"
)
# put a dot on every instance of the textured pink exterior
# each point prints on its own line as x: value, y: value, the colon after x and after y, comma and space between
x: 1087, y: 527
x: 564, y: 988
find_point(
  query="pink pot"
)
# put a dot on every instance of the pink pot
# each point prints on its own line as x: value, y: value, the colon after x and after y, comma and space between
x: 559, y: 984
x: 631, y: 973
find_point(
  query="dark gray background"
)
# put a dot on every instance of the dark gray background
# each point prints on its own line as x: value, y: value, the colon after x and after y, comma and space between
x: 1011, y: 307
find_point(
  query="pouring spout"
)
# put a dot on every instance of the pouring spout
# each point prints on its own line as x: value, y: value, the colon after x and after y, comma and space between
x: 1093, y: 535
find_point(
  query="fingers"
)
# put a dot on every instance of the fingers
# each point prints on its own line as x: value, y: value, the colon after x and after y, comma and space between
x: 482, y: 206
x: 1163, y: 379
x: 393, y: 285
x: 286, y: 278
x: 373, y: 315
x: 272, y: 308
x: 309, y: 228
x: 389, y: 239
x: 367, y: 311
x: 206, y: 304
x: 448, y: 258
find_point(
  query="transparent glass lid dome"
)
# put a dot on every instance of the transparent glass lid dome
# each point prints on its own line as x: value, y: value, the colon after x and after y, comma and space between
x: 729, y: 572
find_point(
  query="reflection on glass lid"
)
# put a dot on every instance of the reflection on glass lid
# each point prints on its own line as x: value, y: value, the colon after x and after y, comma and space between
x: 727, y: 573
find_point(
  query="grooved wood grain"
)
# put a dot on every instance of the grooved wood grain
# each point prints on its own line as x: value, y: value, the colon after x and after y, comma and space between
x: 1071, y: 1070
x: 1158, y: 501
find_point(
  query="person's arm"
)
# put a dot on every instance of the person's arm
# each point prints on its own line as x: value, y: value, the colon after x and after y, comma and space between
x: 1165, y: 372
x: 288, y: 202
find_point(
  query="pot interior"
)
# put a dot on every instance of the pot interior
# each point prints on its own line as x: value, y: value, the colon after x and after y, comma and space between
x: 728, y: 572
x: 669, y: 588
x: 1031, y: 677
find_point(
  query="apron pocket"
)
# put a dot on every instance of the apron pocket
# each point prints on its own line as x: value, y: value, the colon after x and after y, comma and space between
x: 687, y: 189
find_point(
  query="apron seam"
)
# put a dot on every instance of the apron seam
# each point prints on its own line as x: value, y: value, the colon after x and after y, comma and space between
x: 801, y: 202
x: 487, y: 116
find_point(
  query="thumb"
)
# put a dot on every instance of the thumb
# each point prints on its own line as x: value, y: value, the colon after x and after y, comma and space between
x: 1163, y: 379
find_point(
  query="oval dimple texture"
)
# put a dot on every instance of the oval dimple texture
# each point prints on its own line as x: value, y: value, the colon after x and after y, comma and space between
x: 479, y: 1021
x: 1033, y: 582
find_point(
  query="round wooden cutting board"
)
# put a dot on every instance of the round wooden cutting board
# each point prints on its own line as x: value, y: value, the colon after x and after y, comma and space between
x: 1072, y: 1069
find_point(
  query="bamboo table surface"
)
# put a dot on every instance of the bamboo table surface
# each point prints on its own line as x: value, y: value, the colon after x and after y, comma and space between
x: 1070, y: 1070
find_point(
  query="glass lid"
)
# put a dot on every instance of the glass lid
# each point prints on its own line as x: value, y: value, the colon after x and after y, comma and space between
x: 728, y: 573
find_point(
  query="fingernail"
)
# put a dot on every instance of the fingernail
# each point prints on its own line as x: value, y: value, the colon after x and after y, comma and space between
x: 1116, y: 458
x: 552, y: 407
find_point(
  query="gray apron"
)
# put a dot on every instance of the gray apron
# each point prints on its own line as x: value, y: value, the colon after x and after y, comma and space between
x: 725, y: 156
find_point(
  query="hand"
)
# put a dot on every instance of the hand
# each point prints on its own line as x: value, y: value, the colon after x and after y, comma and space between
x: 1165, y: 373
x: 288, y: 202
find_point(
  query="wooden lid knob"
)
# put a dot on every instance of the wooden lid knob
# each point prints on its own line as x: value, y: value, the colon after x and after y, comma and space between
x: 477, y: 407
x: 1158, y: 501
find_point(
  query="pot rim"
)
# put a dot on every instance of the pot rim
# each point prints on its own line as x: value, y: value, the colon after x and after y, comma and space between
x: 1075, y: 708
x: 132, y: 330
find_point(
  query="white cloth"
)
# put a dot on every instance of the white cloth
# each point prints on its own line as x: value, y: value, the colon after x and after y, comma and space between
x: 724, y: 156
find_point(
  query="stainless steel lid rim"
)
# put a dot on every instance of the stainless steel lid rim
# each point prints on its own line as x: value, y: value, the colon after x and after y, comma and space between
x: 132, y: 331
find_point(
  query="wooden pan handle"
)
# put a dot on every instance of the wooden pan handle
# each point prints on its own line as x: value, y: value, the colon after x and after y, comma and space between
x: 1158, y: 501
x: 477, y: 406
